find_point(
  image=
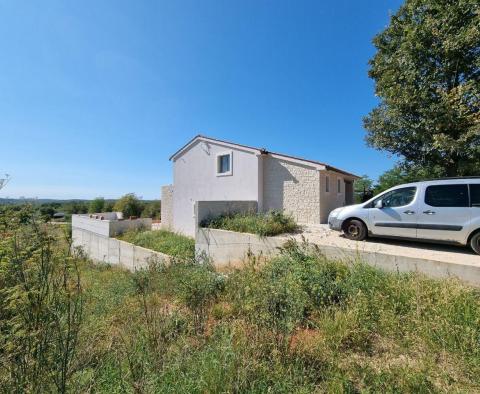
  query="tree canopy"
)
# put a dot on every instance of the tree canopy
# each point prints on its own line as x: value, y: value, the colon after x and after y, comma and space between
x: 97, y: 205
x: 129, y: 205
x: 427, y: 77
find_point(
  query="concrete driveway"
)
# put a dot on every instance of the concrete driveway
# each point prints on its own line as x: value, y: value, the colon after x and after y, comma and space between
x: 322, y: 235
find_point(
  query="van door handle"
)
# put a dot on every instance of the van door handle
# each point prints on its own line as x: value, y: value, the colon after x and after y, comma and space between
x: 409, y: 212
x: 429, y: 212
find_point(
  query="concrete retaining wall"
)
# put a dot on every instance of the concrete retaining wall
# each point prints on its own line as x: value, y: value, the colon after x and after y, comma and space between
x: 228, y: 247
x: 104, y: 249
x: 468, y: 273
x: 108, y: 227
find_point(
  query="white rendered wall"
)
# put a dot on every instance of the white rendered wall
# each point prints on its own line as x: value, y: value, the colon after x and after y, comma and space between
x: 195, y: 179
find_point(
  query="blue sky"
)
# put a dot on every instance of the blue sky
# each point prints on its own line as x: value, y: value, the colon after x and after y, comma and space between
x: 95, y: 95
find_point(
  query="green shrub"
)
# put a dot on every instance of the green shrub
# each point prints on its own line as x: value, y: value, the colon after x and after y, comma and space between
x: 198, y: 286
x: 152, y: 209
x: 194, y: 283
x: 129, y: 205
x: 280, y: 300
x: 163, y: 241
x: 263, y: 224
x: 97, y: 205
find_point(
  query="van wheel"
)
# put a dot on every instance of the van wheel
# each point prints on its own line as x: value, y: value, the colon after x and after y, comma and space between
x: 475, y: 242
x: 355, y: 230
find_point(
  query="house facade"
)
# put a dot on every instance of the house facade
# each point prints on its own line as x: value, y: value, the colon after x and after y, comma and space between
x: 208, y: 169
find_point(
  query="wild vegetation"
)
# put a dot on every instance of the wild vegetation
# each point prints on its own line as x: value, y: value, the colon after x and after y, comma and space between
x: 41, y: 305
x: 298, y: 323
x: 163, y: 241
x: 264, y: 224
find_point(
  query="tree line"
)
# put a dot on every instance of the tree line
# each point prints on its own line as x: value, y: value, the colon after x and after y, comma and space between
x: 129, y: 205
x: 427, y: 78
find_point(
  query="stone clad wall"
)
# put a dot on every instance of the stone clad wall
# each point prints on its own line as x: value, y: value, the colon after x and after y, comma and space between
x: 293, y: 188
x: 167, y: 207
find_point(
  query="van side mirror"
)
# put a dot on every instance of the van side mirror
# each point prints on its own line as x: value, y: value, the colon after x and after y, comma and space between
x: 379, y: 204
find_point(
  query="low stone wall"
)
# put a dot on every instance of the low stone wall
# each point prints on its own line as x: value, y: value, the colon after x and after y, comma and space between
x: 232, y: 248
x: 101, y: 248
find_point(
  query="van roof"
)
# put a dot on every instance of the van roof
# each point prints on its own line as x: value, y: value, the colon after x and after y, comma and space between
x: 451, y: 180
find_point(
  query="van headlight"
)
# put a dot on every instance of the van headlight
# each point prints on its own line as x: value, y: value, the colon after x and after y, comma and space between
x: 335, y: 212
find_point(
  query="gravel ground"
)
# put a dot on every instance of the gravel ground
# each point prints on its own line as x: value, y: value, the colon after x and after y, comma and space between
x: 320, y: 234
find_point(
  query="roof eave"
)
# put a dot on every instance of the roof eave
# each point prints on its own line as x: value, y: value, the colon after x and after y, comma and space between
x: 215, y: 141
x: 334, y: 169
x: 305, y: 162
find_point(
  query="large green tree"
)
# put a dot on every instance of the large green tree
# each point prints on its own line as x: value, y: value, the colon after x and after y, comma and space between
x: 129, y: 205
x: 97, y: 205
x: 427, y: 77
x: 363, y: 188
x: 402, y: 173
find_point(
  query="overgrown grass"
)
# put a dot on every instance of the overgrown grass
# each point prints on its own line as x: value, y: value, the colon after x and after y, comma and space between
x: 163, y: 241
x: 298, y: 323
x: 263, y: 224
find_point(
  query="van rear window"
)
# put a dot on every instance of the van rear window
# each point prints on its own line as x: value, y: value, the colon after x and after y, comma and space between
x: 447, y: 196
x: 475, y: 195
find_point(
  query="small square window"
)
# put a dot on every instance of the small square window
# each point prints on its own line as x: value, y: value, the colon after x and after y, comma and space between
x: 224, y: 164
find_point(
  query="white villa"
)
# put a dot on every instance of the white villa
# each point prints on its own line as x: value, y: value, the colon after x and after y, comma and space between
x: 208, y: 169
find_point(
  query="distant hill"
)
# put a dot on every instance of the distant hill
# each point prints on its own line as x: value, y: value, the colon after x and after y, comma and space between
x: 40, y: 201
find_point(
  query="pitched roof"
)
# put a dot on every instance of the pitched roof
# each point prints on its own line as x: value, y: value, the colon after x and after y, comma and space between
x: 261, y: 151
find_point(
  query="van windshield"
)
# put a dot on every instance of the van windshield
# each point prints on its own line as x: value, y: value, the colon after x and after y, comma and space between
x: 395, y: 198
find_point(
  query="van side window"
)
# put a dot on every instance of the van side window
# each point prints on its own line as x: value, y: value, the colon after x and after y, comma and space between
x: 447, y: 196
x: 475, y: 195
x: 397, y: 198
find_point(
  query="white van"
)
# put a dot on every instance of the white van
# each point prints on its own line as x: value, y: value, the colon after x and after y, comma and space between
x: 443, y: 210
